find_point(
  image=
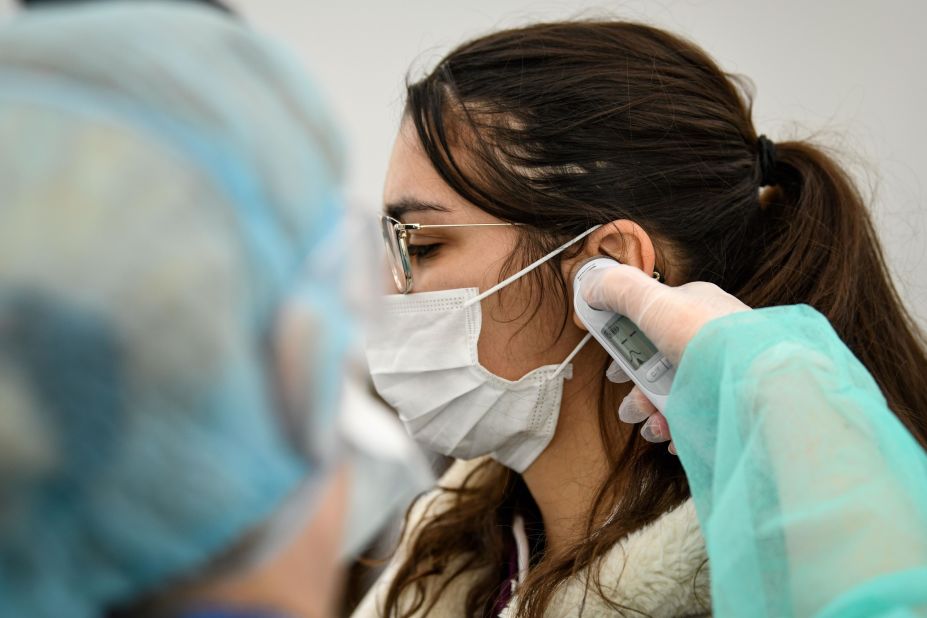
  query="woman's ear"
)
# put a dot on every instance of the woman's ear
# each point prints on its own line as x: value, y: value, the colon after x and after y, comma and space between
x: 624, y: 241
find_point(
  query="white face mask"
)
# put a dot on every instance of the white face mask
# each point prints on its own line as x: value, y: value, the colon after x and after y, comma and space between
x: 424, y: 363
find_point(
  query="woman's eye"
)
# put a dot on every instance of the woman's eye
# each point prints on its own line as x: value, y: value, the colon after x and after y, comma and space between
x: 422, y: 252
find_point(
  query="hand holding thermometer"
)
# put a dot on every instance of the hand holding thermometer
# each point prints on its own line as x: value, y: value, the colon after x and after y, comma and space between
x: 647, y: 367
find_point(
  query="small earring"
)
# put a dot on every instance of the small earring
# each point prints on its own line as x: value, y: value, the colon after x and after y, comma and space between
x: 658, y: 276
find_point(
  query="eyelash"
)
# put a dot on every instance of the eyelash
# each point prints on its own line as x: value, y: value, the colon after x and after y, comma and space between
x: 423, y: 252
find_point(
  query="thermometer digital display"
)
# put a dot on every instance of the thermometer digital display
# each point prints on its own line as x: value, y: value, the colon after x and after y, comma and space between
x: 630, y: 342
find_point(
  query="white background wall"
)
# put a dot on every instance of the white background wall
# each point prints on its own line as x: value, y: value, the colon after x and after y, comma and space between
x: 850, y: 72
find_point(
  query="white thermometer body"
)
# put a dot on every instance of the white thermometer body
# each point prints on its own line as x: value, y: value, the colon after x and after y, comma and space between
x: 647, y: 367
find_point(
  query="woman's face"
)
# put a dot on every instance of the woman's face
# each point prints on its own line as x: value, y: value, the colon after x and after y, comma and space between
x: 513, y: 340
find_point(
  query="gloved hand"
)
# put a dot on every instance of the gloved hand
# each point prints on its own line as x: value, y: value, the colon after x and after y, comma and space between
x: 669, y: 316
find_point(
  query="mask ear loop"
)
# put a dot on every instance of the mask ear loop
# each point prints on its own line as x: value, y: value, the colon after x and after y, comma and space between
x: 570, y: 356
x: 530, y: 267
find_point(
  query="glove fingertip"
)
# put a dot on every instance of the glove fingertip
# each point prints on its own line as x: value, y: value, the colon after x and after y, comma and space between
x: 616, y: 374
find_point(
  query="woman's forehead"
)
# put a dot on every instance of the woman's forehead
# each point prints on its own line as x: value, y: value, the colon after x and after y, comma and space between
x: 415, y: 190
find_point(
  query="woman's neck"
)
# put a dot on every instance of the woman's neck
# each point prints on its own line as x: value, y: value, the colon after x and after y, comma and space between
x: 565, y: 479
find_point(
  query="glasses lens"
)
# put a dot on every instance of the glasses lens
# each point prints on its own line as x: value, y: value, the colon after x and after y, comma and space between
x: 393, y: 251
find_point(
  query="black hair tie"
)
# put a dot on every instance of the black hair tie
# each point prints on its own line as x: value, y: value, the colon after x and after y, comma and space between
x: 766, y: 150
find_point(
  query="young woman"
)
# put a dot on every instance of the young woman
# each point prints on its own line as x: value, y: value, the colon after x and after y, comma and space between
x: 522, y: 154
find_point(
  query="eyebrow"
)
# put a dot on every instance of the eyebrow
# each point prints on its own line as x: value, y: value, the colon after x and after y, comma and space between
x: 396, y: 210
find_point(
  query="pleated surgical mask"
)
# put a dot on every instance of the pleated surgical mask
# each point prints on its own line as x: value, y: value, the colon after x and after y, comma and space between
x: 424, y: 363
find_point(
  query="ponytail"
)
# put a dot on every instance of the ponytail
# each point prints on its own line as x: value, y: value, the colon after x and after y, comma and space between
x: 820, y: 248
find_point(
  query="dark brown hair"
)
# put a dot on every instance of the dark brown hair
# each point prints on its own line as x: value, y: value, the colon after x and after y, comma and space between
x: 566, y: 125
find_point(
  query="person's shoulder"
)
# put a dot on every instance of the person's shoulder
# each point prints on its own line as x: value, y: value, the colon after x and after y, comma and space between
x: 426, y: 508
x: 461, y: 474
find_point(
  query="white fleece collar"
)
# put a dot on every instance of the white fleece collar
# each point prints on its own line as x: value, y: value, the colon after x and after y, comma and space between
x: 660, y: 570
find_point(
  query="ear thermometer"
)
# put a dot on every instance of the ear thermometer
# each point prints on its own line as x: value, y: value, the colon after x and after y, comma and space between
x: 647, y: 367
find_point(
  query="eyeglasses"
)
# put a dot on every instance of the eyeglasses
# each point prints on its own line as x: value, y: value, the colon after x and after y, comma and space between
x: 396, y: 239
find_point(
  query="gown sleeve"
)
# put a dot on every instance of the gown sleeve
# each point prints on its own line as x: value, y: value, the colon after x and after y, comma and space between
x: 811, y: 494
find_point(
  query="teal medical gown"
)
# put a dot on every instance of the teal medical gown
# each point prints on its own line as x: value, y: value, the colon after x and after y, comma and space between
x: 811, y: 494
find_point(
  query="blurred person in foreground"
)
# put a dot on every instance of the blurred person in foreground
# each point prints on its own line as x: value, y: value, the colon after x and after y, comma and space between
x: 177, y: 434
